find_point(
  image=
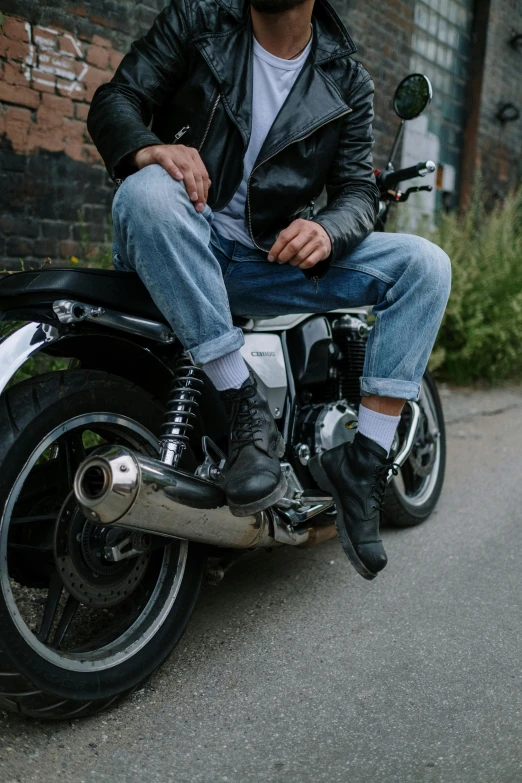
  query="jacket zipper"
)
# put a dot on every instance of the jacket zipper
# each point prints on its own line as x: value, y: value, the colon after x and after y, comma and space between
x: 180, y: 133
x: 209, y: 123
x: 295, y: 141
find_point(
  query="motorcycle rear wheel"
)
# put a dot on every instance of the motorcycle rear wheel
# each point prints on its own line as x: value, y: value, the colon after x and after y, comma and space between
x: 78, y: 630
x: 412, y: 495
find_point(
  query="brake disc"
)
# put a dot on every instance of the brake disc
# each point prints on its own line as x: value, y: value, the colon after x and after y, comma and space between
x: 422, y: 459
x: 82, y: 565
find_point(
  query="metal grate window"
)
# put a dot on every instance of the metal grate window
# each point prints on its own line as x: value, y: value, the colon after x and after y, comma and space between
x: 441, y: 44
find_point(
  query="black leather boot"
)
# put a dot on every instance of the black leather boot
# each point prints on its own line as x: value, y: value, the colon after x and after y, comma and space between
x: 253, y: 477
x: 355, y: 474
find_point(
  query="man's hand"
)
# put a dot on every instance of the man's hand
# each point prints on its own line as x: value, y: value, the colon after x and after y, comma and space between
x: 303, y: 244
x: 182, y: 163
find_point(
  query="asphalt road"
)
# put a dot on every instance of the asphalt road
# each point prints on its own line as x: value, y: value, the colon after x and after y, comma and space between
x: 296, y: 670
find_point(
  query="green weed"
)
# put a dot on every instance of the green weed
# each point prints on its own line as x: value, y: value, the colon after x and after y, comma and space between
x: 481, y: 334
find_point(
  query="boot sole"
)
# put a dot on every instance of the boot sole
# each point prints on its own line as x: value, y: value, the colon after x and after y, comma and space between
x: 263, y: 503
x: 320, y: 476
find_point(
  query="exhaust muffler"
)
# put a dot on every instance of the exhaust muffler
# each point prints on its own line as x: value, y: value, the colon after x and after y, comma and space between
x: 116, y: 486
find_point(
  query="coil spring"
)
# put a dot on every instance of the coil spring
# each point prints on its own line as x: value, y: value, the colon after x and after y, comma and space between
x: 181, y: 406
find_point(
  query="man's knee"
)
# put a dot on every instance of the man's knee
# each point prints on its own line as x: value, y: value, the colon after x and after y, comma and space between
x: 147, y: 195
x: 429, y: 264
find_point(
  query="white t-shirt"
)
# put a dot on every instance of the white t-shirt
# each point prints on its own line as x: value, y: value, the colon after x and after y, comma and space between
x: 272, y: 81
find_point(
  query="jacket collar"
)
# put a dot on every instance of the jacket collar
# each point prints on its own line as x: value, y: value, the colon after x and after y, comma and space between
x: 314, y: 99
x: 332, y: 39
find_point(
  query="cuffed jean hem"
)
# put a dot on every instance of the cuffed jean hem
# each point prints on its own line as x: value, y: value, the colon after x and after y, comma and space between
x: 220, y: 346
x: 390, y: 387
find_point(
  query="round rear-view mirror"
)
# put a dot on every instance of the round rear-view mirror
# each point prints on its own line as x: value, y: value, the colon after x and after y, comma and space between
x: 412, y: 96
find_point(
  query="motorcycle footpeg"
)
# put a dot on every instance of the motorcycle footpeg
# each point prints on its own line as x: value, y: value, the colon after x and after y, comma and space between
x: 211, y: 469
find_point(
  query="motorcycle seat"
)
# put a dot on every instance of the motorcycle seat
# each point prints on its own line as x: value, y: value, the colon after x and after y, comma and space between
x: 25, y: 293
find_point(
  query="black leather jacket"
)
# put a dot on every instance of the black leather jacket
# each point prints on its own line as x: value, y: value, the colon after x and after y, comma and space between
x: 194, y: 68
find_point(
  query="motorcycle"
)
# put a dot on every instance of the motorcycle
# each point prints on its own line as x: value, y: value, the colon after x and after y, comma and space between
x: 113, y: 512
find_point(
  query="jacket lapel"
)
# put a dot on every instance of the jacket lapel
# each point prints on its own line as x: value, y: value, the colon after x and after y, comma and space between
x: 314, y: 98
x: 313, y: 101
x: 229, y: 57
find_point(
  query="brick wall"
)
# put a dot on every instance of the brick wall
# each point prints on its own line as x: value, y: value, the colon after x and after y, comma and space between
x: 382, y: 33
x: 54, y: 193
x: 500, y: 144
x: 53, y: 189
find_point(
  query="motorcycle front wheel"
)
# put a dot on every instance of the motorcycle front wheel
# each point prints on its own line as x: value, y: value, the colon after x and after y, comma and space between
x: 87, y: 612
x: 412, y: 495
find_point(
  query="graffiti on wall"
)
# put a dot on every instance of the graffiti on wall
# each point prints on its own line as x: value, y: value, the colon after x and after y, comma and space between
x: 47, y: 79
x: 55, y: 59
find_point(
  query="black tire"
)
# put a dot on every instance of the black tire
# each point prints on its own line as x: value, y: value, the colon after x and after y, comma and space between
x: 30, y: 683
x: 401, y: 510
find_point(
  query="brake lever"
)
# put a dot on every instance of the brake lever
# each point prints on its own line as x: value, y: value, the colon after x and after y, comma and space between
x: 414, y: 189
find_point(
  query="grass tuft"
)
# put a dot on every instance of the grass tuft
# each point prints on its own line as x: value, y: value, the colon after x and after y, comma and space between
x: 481, y: 334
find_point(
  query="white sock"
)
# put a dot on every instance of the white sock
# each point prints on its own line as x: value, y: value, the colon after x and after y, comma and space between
x: 378, y: 427
x: 227, y: 372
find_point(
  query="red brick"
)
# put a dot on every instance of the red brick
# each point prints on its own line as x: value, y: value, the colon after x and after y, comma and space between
x: 15, y: 74
x: 64, y: 89
x: 74, y: 131
x: 16, y: 127
x: 13, y: 49
x: 50, y: 139
x: 47, y: 84
x: 74, y: 150
x: 66, y: 45
x: 47, y: 119
x: 115, y: 59
x: 98, y: 56
x: 63, y: 107
x: 20, y: 96
x: 81, y: 111
x: 99, y: 41
x: 14, y: 27
x: 93, y: 78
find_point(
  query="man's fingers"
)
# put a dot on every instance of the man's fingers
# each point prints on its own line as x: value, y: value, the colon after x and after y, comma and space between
x: 293, y: 248
x: 200, y: 170
x: 171, y: 167
x: 312, y: 260
x: 310, y: 247
x: 206, y: 185
x: 282, y: 240
x: 198, y: 179
x: 190, y: 183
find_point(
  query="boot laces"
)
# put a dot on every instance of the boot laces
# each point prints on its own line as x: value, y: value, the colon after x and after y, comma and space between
x: 380, y: 475
x: 245, y: 426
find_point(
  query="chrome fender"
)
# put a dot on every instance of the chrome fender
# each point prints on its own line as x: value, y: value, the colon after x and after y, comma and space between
x: 20, y: 344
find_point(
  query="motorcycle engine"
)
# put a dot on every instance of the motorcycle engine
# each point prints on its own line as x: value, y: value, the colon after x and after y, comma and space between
x: 328, y: 413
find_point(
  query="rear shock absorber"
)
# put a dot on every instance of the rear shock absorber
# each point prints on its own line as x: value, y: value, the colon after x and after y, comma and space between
x: 181, y: 407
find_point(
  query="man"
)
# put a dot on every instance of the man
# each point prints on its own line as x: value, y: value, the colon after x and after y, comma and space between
x: 254, y: 109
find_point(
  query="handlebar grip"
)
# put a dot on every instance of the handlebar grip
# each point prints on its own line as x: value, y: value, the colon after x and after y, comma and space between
x: 390, y: 178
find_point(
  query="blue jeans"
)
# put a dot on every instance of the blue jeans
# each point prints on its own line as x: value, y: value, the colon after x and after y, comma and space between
x: 197, y: 278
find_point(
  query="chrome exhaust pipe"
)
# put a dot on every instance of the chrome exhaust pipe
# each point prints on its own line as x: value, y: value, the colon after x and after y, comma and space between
x: 117, y: 486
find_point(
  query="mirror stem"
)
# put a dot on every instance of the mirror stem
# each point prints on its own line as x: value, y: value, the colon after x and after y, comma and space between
x: 398, y: 137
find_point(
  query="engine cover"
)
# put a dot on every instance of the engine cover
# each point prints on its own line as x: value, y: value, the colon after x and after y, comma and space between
x: 336, y: 424
x: 325, y: 426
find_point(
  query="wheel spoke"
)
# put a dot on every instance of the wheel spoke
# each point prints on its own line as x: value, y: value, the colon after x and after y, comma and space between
x: 71, y: 453
x: 71, y: 607
x: 51, y: 606
x: 36, y: 519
